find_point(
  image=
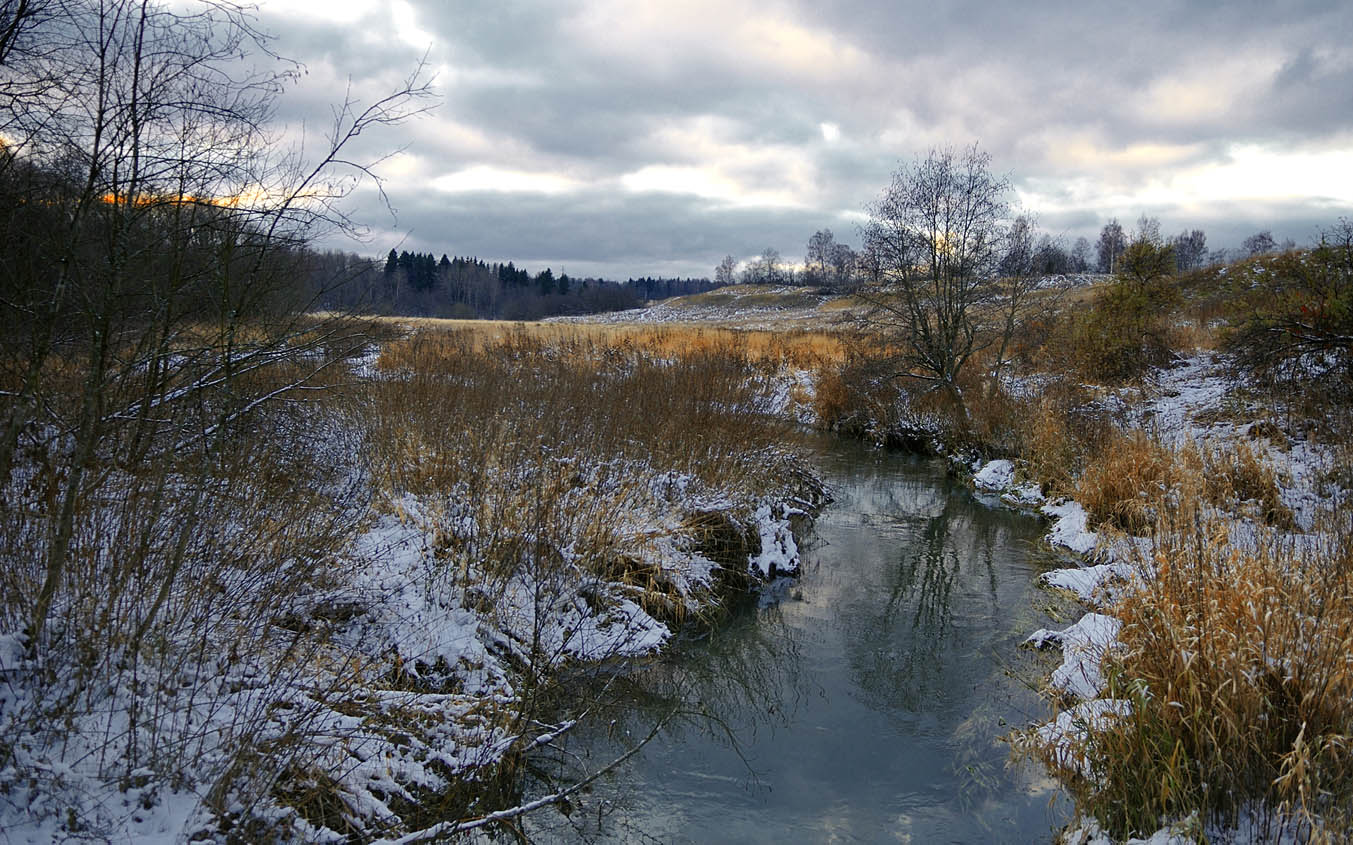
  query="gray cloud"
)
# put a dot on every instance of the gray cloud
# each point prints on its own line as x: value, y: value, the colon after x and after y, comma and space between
x: 1082, y: 103
x: 601, y: 233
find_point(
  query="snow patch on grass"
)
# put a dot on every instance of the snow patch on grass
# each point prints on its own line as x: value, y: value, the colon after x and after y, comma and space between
x: 1070, y: 529
x: 1084, y: 646
x: 1067, y: 734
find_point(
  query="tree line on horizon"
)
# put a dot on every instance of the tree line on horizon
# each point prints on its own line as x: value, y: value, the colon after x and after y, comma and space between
x: 834, y: 265
x: 421, y: 284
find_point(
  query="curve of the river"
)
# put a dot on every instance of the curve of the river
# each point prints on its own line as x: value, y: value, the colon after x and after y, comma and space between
x: 868, y: 700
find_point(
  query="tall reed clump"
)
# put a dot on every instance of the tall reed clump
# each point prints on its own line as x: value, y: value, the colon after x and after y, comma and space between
x: 1126, y: 486
x: 562, y: 455
x: 1236, y: 657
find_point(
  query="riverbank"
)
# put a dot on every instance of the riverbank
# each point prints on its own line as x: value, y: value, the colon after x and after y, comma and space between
x: 387, y: 593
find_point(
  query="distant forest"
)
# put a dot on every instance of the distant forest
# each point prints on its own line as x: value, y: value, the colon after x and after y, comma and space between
x: 420, y: 284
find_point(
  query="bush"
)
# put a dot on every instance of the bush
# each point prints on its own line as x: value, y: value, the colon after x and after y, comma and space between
x: 1296, y: 323
x: 1126, y: 331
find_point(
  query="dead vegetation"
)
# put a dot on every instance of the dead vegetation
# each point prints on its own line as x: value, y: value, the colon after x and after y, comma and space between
x: 1235, y: 660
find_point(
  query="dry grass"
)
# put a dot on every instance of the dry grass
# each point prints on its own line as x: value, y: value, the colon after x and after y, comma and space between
x: 1238, y: 662
x: 572, y: 453
x: 1236, y: 476
x: 1060, y: 436
x: 551, y: 443
x: 798, y: 348
x: 1134, y: 478
x: 1127, y: 485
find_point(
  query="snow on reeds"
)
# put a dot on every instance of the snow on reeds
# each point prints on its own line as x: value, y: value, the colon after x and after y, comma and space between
x: 349, y: 619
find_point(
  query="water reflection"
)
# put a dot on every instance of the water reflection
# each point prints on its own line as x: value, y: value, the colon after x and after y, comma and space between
x: 867, y: 704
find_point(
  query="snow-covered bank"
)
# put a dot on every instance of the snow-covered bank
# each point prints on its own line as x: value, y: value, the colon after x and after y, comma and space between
x: 1195, y: 408
x: 489, y: 534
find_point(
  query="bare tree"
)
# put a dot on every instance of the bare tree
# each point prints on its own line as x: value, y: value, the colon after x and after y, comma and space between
x: 817, y: 257
x: 843, y: 263
x: 1022, y: 270
x: 1080, y: 255
x: 937, y: 233
x: 1260, y: 243
x: 726, y: 272
x: 17, y: 19
x: 1190, y: 249
x: 155, y: 238
x: 1148, y: 229
x: 1111, y: 244
x: 768, y: 269
x: 869, y: 261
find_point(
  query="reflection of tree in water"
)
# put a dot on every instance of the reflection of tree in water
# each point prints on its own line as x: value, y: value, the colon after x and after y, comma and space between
x: 907, y: 647
x: 746, y: 665
x: 905, y: 654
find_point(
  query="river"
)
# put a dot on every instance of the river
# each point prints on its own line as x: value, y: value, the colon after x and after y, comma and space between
x: 865, y: 701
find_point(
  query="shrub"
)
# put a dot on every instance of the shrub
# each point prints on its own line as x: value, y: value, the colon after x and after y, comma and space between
x: 1296, y: 322
x: 1126, y: 331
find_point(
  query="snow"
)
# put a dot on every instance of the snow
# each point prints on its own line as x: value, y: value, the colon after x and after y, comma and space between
x: 402, y: 616
x: 1254, y: 825
x: 1084, y: 646
x: 764, y: 307
x: 440, y: 641
x: 999, y: 477
x: 1089, y: 584
x: 1066, y: 735
x: 11, y: 651
x: 779, y: 553
x: 1179, y: 394
x: 996, y: 476
x: 1195, y: 403
x: 1069, y: 529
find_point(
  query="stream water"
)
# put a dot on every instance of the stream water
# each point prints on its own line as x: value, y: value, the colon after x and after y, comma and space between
x: 865, y: 701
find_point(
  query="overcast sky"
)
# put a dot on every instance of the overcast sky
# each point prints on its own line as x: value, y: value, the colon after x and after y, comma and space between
x: 622, y: 137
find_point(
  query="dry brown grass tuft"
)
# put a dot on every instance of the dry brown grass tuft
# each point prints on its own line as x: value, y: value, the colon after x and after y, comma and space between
x: 1238, y: 662
x: 1052, y: 453
x: 1128, y: 483
x: 1236, y: 475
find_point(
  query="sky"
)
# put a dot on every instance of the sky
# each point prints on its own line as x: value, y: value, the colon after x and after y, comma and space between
x: 622, y: 138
